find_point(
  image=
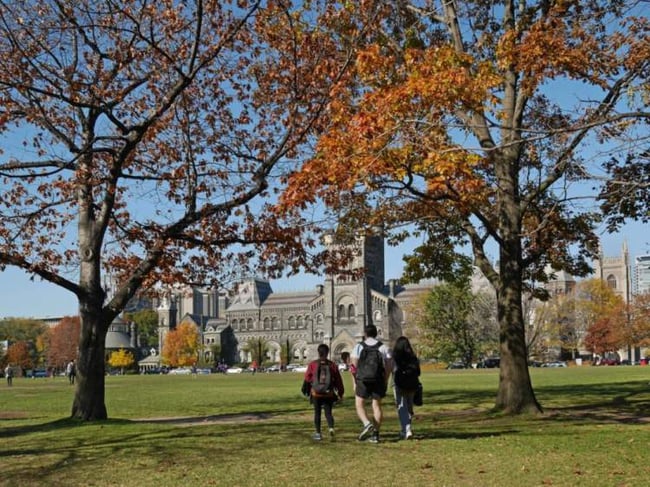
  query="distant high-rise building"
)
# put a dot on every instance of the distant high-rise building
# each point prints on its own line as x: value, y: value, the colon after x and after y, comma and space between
x: 641, y: 274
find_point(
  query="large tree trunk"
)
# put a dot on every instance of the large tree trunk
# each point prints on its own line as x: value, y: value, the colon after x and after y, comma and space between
x: 89, y: 400
x: 515, y: 394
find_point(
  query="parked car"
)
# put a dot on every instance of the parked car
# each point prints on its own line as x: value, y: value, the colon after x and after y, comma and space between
x: 273, y: 368
x: 38, y: 373
x: 181, y: 371
x: 300, y: 368
x: 489, y: 363
x: 608, y: 361
x: 234, y: 370
x: 456, y: 365
x: 555, y: 364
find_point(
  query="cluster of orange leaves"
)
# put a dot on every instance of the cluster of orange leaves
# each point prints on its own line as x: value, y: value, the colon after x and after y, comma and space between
x: 397, y: 129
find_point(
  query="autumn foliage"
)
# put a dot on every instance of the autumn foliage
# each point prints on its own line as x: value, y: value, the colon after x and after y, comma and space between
x: 63, y: 342
x: 121, y: 359
x: 181, y: 346
x: 20, y: 354
x: 458, y: 127
x: 147, y: 140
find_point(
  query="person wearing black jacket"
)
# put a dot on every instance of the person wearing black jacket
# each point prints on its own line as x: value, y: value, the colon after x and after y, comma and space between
x: 406, y: 375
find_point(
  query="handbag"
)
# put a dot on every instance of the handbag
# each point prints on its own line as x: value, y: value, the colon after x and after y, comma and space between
x: 417, y: 398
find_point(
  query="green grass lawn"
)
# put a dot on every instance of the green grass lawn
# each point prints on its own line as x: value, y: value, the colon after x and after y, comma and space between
x: 247, y: 430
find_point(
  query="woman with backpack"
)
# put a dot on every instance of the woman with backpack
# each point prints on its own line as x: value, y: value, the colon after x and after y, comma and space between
x: 406, y: 375
x: 324, y: 386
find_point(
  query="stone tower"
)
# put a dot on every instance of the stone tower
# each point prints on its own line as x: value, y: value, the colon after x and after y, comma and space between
x: 348, y: 304
x: 166, y: 318
x: 616, y: 272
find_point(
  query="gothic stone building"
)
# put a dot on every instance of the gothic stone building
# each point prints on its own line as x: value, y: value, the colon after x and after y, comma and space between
x: 334, y: 313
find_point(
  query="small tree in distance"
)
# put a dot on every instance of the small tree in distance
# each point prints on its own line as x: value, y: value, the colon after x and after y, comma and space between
x: 181, y: 346
x: 121, y: 359
x: 20, y: 354
x: 63, y: 342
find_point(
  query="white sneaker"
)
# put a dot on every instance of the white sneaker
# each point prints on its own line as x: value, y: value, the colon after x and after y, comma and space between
x: 408, y: 435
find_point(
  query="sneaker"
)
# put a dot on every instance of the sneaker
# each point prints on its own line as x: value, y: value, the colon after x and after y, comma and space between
x: 331, y: 433
x: 316, y: 437
x: 374, y: 438
x: 408, y: 435
x: 365, y: 432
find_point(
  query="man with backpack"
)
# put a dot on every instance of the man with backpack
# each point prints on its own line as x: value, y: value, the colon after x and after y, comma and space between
x: 324, y: 386
x: 373, y: 363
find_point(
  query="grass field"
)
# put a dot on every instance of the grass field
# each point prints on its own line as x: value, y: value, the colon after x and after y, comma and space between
x: 245, y: 430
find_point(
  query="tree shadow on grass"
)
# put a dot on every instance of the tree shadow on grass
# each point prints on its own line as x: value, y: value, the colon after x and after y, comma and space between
x: 623, y: 402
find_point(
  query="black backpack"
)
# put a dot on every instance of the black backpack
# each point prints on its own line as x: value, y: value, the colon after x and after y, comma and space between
x: 407, y: 374
x: 370, y: 367
x: 321, y: 385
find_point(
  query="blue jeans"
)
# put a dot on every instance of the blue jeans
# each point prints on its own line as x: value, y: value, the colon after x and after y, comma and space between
x: 404, y: 404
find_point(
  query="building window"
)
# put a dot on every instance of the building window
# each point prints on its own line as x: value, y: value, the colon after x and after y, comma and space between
x: 340, y: 314
x: 351, y: 312
x: 292, y: 323
x: 267, y: 324
x: 299, y: 322
x: 611, y: 282
x: 250, y: 323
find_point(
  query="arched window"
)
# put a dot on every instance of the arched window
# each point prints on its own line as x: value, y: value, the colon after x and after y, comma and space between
x: 274, y: 323
x: 267, y: 324
x: 351, y: 313
x: 341, y: 312
x: 299, y: 322
x: 292, y: 322
x: 249, y: 323
x: 611, y: 281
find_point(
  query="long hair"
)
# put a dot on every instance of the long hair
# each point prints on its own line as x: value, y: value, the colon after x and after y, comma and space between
x: 403, y: 351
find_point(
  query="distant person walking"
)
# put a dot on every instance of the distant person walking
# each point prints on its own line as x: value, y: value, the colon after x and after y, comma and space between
x: 406, y: 378
x: 373, y: 363
x: 71, y: 371
x: 324, y: 386
x: 9, y: 374
x: 345, y: 357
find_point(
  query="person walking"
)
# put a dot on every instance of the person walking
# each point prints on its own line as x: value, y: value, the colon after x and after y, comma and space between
x: 345, y: 357
x: 71, y: 372
x: 373, y: 363
x: 406, y: 373
x: 9, y: 374
x: 324, y: 386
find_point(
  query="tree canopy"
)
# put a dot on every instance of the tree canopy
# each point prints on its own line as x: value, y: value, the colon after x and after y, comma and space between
x: 146, y: 138
x: 479, y: 125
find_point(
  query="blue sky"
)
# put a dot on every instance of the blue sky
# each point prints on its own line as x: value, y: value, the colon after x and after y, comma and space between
x: 22, y: 297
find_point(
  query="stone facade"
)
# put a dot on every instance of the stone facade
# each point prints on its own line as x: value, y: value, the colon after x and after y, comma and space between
x: 334, y: 313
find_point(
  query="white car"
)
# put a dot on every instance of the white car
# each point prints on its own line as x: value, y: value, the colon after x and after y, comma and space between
x: 300, y: 368
x: 234, y: 370
x: 181, y: 371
